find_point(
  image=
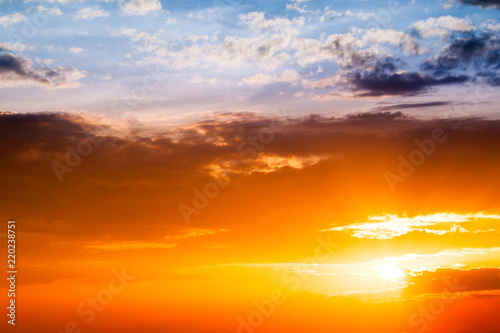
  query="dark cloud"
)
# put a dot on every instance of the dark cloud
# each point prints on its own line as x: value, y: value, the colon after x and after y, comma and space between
x: 386, y: 77
x: 411, y: 106
x: 393, y: 84
x: 377, y: 116
x: 10, y: 63
x: 482, y: 52
x: 488, y: 4
x: 492, y: 78
x: 464, y: 280
x: 131, y: 178
x: 18, y: 71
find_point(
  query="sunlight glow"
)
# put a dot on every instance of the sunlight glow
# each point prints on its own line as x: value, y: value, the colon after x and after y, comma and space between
x: 390, y: 271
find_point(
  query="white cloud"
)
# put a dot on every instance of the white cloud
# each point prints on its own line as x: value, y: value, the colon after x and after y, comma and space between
x: 53, y: 11
x: 75, y: 49
x: 8, y: 20
x: 46, y: 62
x: 196, y: 38
x: 301, y: 9
x: 395, y: 37
x: 288, y: 76
x: 491, y: 25
x: 331, y: 14
x: 264, y: 51
x: 345, y: 49
x: 18, y: 47
x: 140, y: 7
x: 257, y: 23
x: 390, y: 226
x: 197, y: 79
x: 331, y: 81
x: 89, y: 13
x: 441, y: 26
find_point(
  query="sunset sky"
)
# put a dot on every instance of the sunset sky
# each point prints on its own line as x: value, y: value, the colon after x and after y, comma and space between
x: 261, y: 166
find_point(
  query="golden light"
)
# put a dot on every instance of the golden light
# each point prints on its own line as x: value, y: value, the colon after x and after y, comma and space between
x: 390, y: 271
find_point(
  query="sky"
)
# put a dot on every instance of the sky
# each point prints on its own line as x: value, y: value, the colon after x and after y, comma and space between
x: 176, y: 59
x: 261, y: 166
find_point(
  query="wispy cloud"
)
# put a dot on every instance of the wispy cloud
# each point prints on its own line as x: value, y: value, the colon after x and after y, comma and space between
x: 192, y: 233
x: 390, y: 226
x: 8, y: 20
x: 90, y: 13
x: 128, y: 246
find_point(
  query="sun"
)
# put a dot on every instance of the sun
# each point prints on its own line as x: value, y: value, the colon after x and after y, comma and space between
x: 390, y: 271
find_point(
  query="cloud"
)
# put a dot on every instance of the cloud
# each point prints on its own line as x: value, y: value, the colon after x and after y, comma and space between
x: 158, y: 167
x: 18, y: 47
x: 367, y: 67
x: 481, y: 51
x: 140, y: 7
x: 357, y: 49
x: 382, y: 78
x: 75, y: 49
x: 197, y: 79
x: 7, y: 21
x: 475, y: 279
x: 408, y: 43
x: 53, y: 11
x: 441, y: 26
x: 313, y: 162
x: 265, y: 48
x: 128, y: 246
x: 17, y: 71
x: 390, y: 226
x: 192, y: 233
x: 288, y: 76
x: 264, y: 163
x: 487, y: 4
x: 257, y: 23
x: 345, y: 49
x: 64, y: 2
x: 491, y: 25
x: 375, y: 84
x: 90, y: 13
x: 301, y: 9
x: 403, y: 106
